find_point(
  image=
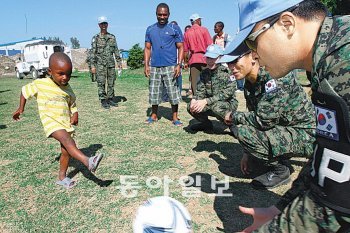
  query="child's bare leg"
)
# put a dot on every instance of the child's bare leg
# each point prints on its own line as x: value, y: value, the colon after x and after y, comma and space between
x: 64, y: 162
x: 69, y: 144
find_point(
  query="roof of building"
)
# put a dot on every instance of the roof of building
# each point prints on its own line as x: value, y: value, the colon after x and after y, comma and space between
x: 13, y: 43
x: 46, y: 42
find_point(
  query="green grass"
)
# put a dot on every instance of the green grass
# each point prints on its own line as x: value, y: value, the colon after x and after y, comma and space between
x: 31, y: 202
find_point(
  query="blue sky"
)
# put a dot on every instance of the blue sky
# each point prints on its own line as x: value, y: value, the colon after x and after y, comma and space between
x: 128, y: 19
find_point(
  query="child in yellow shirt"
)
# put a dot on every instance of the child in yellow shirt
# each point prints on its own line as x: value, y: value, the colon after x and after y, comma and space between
x: 58, y: 113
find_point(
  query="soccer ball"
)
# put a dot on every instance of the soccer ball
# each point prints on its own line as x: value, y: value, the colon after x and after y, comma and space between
x: 162, y: 214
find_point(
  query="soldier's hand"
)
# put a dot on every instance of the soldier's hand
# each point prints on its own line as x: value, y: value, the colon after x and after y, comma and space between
x: 244, y: 164
x: 200, y: 105
x: 147, y: 71
x: 228, y: 118
x: 192, y: 104
x: 93, y: 70
x: 260, y: 216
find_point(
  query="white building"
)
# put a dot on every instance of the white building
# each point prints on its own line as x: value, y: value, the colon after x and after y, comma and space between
x: 13, y: 48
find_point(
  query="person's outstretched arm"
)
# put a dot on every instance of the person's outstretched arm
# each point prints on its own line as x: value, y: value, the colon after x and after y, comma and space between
x: 147, y: 56
x: 20, y: 110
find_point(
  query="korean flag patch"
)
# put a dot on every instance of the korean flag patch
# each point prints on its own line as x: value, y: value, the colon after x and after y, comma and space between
x: 327, y: 123
x: 271, y: 86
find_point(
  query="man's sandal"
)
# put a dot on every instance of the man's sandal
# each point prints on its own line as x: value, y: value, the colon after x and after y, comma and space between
x: 67, y: 183
x: 177, y: 123
x: 150, y: 120
x: 95, y: 161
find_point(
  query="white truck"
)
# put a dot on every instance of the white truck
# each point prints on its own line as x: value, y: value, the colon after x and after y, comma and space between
x: 35, y: 58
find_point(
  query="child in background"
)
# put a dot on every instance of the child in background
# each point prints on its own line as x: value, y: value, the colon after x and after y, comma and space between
x: 58, y: 113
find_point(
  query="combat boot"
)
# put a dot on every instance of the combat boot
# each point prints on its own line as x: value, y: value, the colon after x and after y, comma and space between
x: 105, y: 104
x: 112, y: 102
x: 278, y: 175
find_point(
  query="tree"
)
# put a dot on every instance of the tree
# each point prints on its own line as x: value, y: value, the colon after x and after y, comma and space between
x: 135, y: 59
x: 55, y: 39
x: 75, y: 43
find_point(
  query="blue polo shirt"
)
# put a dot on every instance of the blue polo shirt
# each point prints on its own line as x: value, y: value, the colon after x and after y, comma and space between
x: 163, y: 40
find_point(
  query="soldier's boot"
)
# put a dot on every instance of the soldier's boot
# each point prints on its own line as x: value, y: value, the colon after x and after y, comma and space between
x: 112, y: 102
x: 105, y: 104
x: 203, y: 126
x: 277, y: 176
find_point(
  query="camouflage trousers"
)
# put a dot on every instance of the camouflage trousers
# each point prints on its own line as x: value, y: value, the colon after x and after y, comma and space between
x: 105, y: 76
x: 217, y: 110
x: 303, y: 214
x: 275, y: 142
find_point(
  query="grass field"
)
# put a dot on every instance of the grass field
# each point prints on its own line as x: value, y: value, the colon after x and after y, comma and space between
x: 155, y: 158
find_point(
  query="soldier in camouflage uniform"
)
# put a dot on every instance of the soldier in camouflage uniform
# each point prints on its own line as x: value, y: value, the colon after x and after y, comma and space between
x: 215, y: 95
x: 280, y: 119
x: 318, y: 200
x: 104, y: 54
x: 89, y: 62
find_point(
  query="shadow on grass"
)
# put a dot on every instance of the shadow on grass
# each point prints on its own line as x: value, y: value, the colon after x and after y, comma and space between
x: 230, y: 195
x: 79, y: 167
x: 3, y: 126
x: 5, y: 91
x: 230, y: 159
x: 3, y: 103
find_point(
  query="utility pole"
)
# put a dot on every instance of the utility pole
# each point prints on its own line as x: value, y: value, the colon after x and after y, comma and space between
x: 25, y: 16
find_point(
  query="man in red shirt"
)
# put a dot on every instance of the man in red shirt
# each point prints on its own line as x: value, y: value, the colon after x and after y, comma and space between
x: 196, y: 41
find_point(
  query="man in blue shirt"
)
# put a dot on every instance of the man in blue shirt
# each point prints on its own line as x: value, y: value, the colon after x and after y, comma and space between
x: 163, y: 55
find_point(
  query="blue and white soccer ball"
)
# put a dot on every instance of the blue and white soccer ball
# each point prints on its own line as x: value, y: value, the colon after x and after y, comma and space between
x: 162, y: 214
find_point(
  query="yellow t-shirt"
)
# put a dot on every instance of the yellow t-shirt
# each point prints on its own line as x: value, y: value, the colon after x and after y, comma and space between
x: 55, y: 104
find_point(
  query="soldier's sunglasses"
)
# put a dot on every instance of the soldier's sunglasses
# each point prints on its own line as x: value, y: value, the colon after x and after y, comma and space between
x: 251, y: 39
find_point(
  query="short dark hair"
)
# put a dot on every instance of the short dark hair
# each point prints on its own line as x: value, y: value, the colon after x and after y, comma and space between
x: 309, y: 10
x: 59, y: 56
x: 163, y: 5
x: 221, y: 24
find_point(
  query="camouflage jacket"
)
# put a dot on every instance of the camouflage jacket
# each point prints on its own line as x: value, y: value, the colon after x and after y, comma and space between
x: 254, y: 92
x: 283, y: 102
x: 103, y: 48
x: 89, y: 57
x: 216, y: 85
x: 331, y: 61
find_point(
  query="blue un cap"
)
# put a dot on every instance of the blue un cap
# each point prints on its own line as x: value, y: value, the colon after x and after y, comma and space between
x: 254, y: 11
x: 240, y: 50
x: 214, y: 51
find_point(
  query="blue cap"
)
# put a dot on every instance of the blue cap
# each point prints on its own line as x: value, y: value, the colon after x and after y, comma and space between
x: 254, y: 11
x: 226, y: 59
x: 214, y: 51
x: 230, y: 57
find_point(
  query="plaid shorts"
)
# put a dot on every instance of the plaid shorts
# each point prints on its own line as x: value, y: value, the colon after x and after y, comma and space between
x: 160, y: 76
